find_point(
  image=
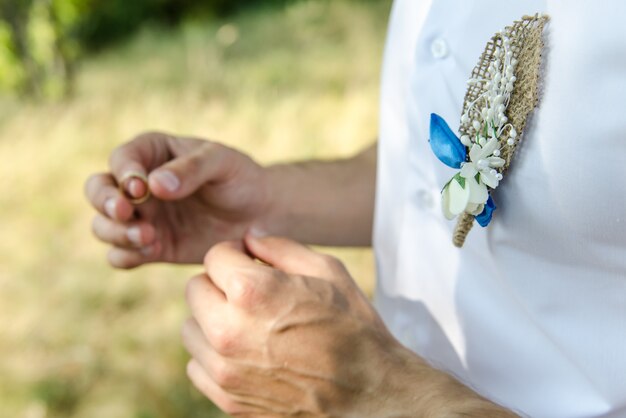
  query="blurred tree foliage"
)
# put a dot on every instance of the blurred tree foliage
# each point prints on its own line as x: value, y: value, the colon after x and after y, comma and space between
x: 41, y: 40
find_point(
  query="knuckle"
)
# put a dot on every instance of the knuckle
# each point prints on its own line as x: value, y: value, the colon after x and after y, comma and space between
x: 245, y: 292
x: 147, y: 136
x: 194, y: 163
x: 224, y: 341
x: 226, y: 376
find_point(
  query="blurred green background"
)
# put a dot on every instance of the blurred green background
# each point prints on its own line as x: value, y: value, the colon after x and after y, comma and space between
x: 282, y: 80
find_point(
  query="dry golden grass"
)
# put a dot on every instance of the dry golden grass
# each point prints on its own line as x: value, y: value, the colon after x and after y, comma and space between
x: 79, y: 339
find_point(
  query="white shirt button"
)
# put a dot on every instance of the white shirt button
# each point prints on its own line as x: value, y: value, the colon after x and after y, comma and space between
x: 425, y: 199
x: 439, y: 48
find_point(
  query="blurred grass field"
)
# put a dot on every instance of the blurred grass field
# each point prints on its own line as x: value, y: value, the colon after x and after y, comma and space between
x: 79, y: 339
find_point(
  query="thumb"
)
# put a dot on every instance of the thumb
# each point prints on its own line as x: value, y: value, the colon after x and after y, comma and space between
x: 290, y: 256
x: 185, y: 174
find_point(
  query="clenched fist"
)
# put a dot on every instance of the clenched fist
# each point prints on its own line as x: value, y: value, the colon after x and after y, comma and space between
x: 279, y: 330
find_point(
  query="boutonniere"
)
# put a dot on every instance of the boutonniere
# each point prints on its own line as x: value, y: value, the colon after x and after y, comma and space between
x: 502, y: 91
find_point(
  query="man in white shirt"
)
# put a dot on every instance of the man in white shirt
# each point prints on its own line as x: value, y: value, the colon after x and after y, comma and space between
x: 529, y: 314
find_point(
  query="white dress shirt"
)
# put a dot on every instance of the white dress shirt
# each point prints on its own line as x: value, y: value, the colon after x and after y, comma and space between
x: 531, y: 312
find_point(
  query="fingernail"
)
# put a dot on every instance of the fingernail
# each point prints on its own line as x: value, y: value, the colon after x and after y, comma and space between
x: 109, y: 207
x: 167, y: 179
x: 147, y: 251
x: 134, y: 235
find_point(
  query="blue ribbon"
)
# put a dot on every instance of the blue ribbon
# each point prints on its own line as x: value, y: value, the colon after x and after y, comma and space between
x: 445, y: 144
x: 485, y: 216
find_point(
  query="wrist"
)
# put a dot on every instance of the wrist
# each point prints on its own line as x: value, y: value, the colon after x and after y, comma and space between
x: 274, y: 218
x: 411, y: 387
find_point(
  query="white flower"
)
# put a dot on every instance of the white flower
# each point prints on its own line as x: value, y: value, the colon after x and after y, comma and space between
x: 467, y: 190
x: 463, y: 195
x: 483, y: 162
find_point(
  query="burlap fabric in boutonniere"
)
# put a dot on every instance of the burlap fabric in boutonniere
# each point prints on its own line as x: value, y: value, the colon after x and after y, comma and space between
x: 501, y: 93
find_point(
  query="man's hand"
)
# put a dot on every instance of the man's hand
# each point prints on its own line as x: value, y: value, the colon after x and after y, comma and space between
x: 267, y: 340
x: 203, y: 193
x: 281, y: 331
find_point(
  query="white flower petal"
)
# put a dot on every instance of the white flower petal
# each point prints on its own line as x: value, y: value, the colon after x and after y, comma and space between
x: 496, y: 161
x: 475, y: 152
x: 489, y: 179
x: 445, y: 203
x: 478, y: 191
x: 474, y: 209
x: 459, y: 197
x: 489, y: 148
x: 468, y: 170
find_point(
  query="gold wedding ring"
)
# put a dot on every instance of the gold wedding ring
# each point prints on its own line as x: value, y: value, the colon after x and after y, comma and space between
x: 125, y: 180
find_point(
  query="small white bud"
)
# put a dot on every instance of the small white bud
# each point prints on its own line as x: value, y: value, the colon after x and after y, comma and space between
x: 510, y: 141
x: 476, y: 125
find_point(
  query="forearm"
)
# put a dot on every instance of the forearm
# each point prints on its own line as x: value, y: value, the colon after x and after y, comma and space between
x: 413, y: 388
x: 324, y: 202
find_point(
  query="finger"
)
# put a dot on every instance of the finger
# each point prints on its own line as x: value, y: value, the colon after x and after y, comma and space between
x: 205, y: 301
x: 103, y: 194
x: 197, y: 345
x: 210, y: 162
x: 125, y: 258
x: 228, y: 265
x: 134, y: 186
x: 144, y: 153
x: 130, y: 235
x: 203, y: 382
x: 292, y: 257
